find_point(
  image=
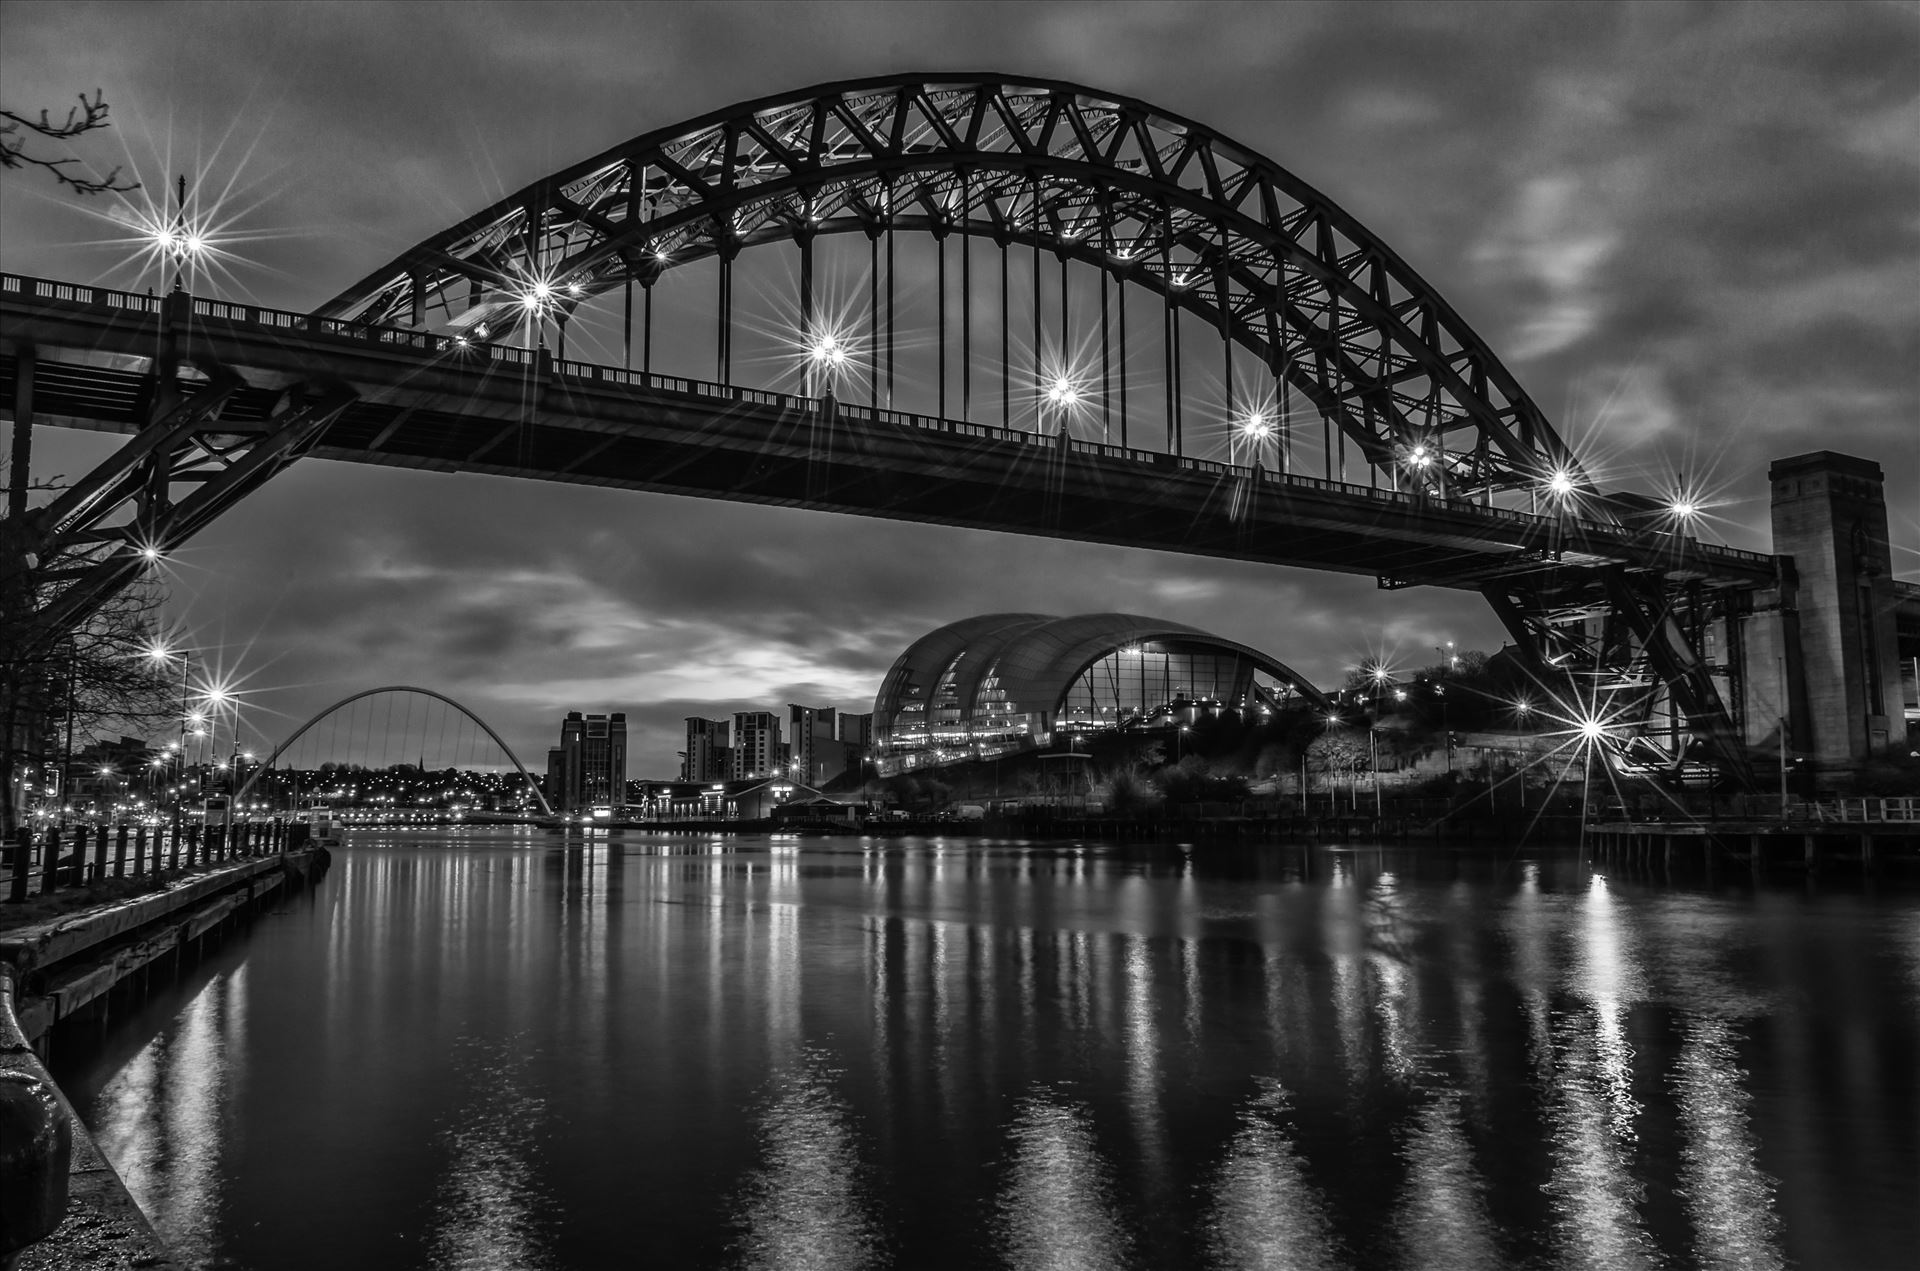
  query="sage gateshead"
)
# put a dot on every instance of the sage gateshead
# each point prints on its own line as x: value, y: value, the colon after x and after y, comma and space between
x: 1003, y: 683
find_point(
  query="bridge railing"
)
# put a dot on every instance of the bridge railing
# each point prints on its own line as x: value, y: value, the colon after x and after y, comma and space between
x: 1901, y: 810
x: 1549, y: 524
x: 79, y: 293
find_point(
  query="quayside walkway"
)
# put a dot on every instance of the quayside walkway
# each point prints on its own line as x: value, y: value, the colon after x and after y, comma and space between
x: 78, y: 939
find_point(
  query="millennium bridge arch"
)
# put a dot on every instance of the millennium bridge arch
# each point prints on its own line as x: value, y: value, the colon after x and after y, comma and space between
x: 1466, y: 482
x: 351, y: 698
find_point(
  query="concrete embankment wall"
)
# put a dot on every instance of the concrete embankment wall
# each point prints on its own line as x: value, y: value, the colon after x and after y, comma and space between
x: 51, y: 970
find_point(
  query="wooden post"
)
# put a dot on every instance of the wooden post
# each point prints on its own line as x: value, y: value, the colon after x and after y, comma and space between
x: 77, y: 871
x: 139, y: 849
x: 22, y: 864
x: 50, y: 862
x: 120, y: 852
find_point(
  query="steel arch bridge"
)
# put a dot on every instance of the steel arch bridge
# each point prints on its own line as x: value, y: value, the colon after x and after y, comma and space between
x: 351, y: 698
x: 1467, y: 483
x: 1148, y: 197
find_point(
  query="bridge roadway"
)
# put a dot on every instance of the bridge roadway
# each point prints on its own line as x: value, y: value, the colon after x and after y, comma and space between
x: 431, y: 402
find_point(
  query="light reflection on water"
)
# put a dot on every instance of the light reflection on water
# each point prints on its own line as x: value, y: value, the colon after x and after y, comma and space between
x: 163, y: 1113
x: 1056, y: 1209
x: 804, y: 1207
x: 488, y: 1207
x: 1442, y: 1220
x: 1265, y: 1215
x: 699, y: 1053
x: 1728, y: 1196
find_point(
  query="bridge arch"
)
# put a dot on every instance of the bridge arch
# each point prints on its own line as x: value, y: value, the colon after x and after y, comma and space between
x: 1151, y: 198
x: 397, y: 688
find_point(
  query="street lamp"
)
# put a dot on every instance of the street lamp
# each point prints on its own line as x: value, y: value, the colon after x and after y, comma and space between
x: 1064, y: 394
x: 826, y: 354
x: 1254, y: 430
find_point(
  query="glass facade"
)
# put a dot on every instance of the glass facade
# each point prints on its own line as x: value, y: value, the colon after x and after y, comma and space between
x: 996, y: 685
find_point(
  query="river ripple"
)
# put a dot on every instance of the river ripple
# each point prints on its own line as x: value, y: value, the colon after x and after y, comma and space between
x: 494, y: 1051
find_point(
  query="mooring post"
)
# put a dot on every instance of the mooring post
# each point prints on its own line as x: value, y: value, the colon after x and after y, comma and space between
x: 120, y: 851
x: 36, y: 1159
x: 22, y: 864
x: 77, y: 866
x: 139, y: 849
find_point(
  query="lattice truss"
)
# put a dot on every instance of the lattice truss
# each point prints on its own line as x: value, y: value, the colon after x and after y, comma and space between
x: 183, y: 469
x: 1158, y: 201
x: 1632, y: 650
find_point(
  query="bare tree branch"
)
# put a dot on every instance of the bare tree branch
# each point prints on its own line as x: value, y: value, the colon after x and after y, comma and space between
x: 90, y: 114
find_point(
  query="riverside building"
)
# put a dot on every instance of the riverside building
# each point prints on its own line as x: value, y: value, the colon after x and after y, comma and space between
x: 757, y: 747
x: 588, y: 769
x: 1007, y: 682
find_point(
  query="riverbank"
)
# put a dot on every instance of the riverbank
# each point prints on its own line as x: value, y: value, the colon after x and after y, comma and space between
x: 62, y: 963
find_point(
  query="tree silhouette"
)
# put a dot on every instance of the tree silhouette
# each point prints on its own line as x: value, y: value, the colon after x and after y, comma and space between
x: 16, y: 130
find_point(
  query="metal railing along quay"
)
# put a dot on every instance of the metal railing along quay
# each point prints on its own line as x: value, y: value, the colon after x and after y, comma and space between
x: 41, y: 861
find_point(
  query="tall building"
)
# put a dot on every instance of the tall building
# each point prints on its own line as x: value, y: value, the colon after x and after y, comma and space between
x: 757, y: 749
x: 817, y: 754
x: 707, y: 756
x: 856, y: 741
x: 589, y: 767
x: 856, y: 730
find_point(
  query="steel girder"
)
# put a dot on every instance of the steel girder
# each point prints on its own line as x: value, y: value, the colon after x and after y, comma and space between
x: 1151, y: 198
x: 1620, y: 641
x: 169, y: 481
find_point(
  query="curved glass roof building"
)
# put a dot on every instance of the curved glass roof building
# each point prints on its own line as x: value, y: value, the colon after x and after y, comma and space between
x: 1006, y: 682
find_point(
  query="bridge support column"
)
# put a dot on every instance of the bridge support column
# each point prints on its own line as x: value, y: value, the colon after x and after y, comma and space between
x: 1830, y: 516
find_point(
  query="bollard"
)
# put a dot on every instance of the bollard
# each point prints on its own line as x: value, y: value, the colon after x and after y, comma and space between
x: 193, y: 842
x: 120, y: 852
x: 173, y: 846
x: 50, y: 862
x: 139, y: 849
x: 99, y: 872
x: 22, y: 864
x: 36, y: 1152
x: 76, y: 865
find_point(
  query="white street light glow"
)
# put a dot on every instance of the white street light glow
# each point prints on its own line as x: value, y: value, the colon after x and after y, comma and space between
x: 1062, y: 392
x: 828, y: 349
x: 1561, y: 482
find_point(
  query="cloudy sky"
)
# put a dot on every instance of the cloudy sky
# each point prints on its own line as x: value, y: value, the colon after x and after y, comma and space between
x: 1693, y: 232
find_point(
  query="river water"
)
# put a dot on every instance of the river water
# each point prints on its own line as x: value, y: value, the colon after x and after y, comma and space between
x: 489, y: 1051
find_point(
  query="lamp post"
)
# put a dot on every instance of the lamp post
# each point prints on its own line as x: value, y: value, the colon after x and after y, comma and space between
x: 1524, y: 709
x: 826, y: 354
x: 1254, y: 430
x: 161, y: 653
x: 1064, y: 396
x: 1381, y: 677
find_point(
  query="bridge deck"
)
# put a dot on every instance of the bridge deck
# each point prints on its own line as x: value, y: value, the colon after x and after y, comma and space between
x: 432, y: 402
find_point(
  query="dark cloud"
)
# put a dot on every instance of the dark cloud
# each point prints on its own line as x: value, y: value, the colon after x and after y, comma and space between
x: 1692, y: 231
